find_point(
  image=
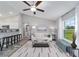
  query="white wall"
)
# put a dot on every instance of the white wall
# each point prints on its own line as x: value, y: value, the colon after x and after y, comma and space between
x: 37, y: 21
x: 12, y: 21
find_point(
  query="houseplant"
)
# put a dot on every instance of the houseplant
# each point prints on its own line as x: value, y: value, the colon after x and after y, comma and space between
x: 48, y: 35
x: 73, y: 43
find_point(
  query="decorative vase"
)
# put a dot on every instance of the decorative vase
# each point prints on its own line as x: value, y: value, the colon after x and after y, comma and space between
x: 73, y: 43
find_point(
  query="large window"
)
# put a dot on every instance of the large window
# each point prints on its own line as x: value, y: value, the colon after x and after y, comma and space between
x: 69, y: 28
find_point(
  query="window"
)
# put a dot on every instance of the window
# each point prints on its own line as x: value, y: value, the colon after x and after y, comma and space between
x: 69, y: 28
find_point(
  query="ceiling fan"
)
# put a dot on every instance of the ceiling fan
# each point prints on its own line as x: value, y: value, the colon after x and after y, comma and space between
x: 33, y: 7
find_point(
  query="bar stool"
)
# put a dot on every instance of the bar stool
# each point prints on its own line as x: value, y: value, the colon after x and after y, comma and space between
x: 14, y: 38
x: 5, y: 41
x: 0, y: 44
x: 17, y: 38
x: 10, y: 40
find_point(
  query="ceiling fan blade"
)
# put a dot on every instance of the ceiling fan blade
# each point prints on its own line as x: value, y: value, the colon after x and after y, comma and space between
x: 26, y: 9
x: 40, y: 10
x: 37, y: 3
x: 34, y: 13
x: 27, y: 3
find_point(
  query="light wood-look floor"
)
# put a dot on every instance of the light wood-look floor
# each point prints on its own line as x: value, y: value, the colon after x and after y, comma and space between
x: 28, y: 51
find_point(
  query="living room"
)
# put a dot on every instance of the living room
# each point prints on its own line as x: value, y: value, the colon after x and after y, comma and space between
x: 28, y: 33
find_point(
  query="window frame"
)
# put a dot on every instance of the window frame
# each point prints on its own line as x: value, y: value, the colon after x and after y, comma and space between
x: 67, y: 29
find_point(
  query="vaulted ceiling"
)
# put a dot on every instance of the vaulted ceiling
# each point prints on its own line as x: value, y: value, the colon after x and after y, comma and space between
x: 53, y: 9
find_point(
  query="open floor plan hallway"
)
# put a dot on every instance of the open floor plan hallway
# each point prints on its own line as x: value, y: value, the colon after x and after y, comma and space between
x: 28, y: 51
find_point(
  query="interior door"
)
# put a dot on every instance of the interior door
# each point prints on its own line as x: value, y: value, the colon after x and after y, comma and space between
x: 28, y: 31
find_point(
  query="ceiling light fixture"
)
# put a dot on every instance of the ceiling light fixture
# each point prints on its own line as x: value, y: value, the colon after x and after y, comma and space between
x: 33, y: 8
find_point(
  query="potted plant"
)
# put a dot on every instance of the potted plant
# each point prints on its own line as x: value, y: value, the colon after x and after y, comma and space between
x: 48, y: 35
x: 73, y: 43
